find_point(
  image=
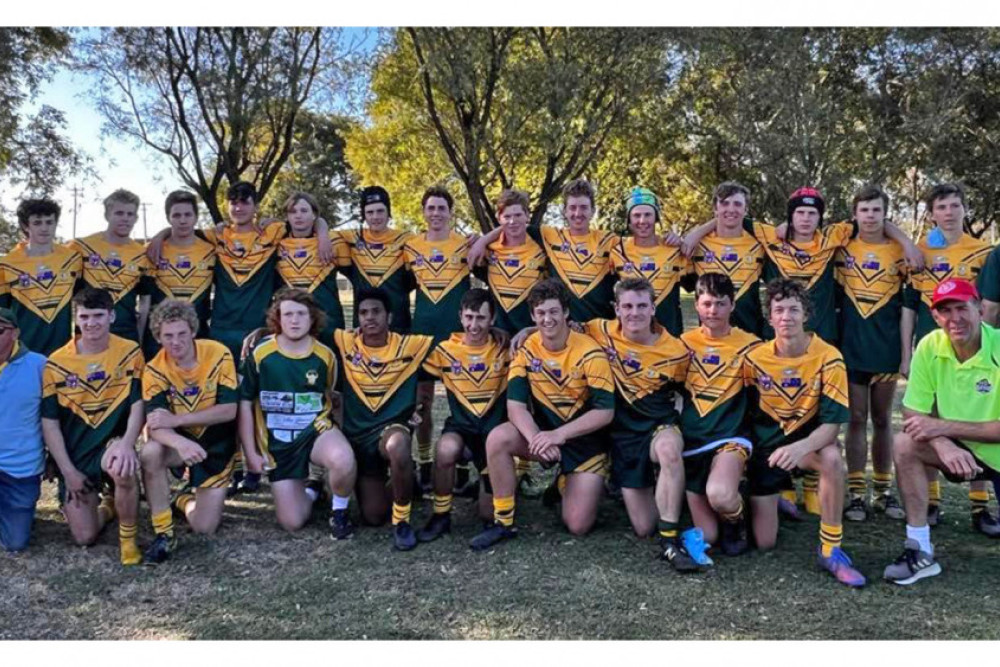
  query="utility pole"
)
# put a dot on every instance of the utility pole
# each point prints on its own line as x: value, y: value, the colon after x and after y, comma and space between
x: 77, y: 192
x: 145, y: 234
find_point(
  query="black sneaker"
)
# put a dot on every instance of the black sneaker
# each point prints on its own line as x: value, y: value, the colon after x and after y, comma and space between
x: 159, y: 551
x: 911, y: 566
x: 437, y: 525
x: 341, y: 527
x: 934, y: 515
x: 856, y: 510
x: 250, y: 483
x: 403, y: 537
x: 234, y: 484
x: 733, y: 537
x: 983, y: 522
x: 495, y: 534
x: 673, y: 551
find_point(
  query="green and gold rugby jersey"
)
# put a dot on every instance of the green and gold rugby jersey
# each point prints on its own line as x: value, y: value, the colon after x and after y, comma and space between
x: 511, y: 273
x: 183, y: 391
x: 290, y: 394
x: 244, y: 281
x: 963, y: 259
x: 39, y: 290
x: 870, y: 277
x: 122, y: 270
x: 715, y: 403
x: 379, y: 384
x: 475, y: 380
x: 583, y: 265
x: 185, y: 273
x: 742, y: 259
x: 91, y: 395
x: 646, y: 377
x: 791, y: 397
x: 809, y: 262
x: 663, y: 266
x: 560, y: 386
x: 441, y: 271
x: 377, y: 261
x: 299, y: 266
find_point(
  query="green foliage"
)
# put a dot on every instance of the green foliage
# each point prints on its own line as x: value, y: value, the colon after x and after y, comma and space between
x: 9, y: 235
x: 34, y: 151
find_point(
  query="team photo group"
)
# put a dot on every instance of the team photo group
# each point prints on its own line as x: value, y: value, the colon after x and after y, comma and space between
x: 151, y: 381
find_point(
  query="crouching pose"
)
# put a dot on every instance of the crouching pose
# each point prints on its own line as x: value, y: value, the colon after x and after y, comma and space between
x: 285, y: 405
x: 560, y: 396
x: 189, y: 389
x: 798, y: 385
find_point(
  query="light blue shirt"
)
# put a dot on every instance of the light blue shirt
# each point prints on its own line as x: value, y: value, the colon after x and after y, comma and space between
x: 22, y: 451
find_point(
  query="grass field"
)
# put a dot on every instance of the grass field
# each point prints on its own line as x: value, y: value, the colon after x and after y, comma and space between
x: 253, y: 581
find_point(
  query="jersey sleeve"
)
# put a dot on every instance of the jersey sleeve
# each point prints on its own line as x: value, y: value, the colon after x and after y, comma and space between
x: 434, y: 362
x: 250, y: 384
x: 988, y: 281
x: 833, y: 407
x: 227, y: 391
x: 600, y: 382
x: 138, y: 368
x: 518, y: 388
x: 911, y: 295
x: 840, y: 233
x: 50, y: 397
x: 4, y: 289
x: 535, y: 234
x: 155, y: 391
x: 920, y: 386
x: 341, y: 251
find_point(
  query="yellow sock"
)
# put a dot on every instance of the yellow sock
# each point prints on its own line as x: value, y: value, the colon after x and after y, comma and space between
x: 979, y: 500
x: 163, y: 522
x: 830, y: 537
x: 667, y: 529
x: 129, y: 549
x: 106, y: 509
x: 400, y: 513
x: 503, y: 510
x: 810, y: 492
x: 182, y: 501
x: 881, y: 483
x: 425, y: 452
x: 856, y: 485
x: 789, y: 495
x: 442, y: 504
x: 734, y: 516
x: 934, y: 492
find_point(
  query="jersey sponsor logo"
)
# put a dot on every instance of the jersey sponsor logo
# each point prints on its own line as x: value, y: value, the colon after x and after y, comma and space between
x: 630, y: 361
x: 729, y: 254
x: 190, y: 390
x: 583, y: 251
x: 277, y: 401
x: 309, y: 402
x: 849, y: 261
x: 711, y: 358
x: 536, y: 365
x: 312, y: 376
x: 94, y: 259
x: 984, y: 386
x: 476, y: 364
x: 554, y: 368
x: 512, y: 262
x: 565, y: 246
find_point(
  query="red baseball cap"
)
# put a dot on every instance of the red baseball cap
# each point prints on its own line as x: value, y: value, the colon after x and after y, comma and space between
x: 953, y: 289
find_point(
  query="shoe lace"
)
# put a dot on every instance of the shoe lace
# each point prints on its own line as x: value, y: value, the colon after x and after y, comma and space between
x: 840, y: 557
x: 909, y: 556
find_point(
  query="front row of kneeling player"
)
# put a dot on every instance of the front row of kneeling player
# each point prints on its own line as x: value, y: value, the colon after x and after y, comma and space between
x: 751, y: 410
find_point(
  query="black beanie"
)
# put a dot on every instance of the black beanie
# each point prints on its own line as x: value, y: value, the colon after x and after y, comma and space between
x: 806, y: 197
x: 375, y: 194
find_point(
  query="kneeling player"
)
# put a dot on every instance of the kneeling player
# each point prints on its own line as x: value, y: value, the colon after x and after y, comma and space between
x: 91, y: 418
x: 381, y: 370
x: 800, y: 386
x: 713, y: 419
x: 189, y: 389
x: 285, y: 408
x: 473, y: 367
x: 565, y: 379
x: 648, y: 365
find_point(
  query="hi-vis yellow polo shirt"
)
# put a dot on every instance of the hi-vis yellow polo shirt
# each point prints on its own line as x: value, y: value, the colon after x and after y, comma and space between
x: 968, y: 392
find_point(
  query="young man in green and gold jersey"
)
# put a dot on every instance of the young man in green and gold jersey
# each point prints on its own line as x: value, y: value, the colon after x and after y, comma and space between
x: 642, y: 255
x: 38, y: 277
x: 185, y: 268
x: 473, y: 367
x: 714, y: 416
x: 560, y: 398
x: 92, y: 416
x: 949, y: 252
x: 871, y: 272
x: 798, y: 388
x: 381, y: 370
x: 648, y: 365
x: 113, y: 261
x: 285, y: 421
x: 299, y: 264
x: 190, y: 392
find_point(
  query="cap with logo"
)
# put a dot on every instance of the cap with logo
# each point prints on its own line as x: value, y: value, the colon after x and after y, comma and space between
x: 953, y: 289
